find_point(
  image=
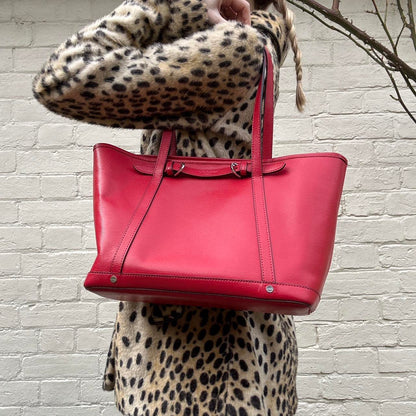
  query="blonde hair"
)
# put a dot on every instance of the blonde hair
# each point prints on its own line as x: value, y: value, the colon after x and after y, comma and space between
x: 288, y: 17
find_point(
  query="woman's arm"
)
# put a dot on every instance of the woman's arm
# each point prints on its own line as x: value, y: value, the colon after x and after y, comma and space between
x: 119, y: 72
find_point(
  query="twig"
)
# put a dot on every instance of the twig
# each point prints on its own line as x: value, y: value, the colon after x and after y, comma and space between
x: 399, y: 97
x: 383, y: 23
x: 399, y: 35
x: 412, y: 22
x: 360, y: 34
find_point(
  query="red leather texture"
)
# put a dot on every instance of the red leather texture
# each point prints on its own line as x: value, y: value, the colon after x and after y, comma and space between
x: 255, y: 235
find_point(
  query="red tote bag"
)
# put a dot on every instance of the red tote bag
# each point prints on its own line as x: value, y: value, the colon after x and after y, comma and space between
x: 242, y: 234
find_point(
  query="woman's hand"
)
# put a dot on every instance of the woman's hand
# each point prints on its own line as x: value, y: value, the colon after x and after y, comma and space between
x: 219, y: 11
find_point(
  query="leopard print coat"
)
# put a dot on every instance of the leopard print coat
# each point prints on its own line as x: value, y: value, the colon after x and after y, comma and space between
x: 159, y: 64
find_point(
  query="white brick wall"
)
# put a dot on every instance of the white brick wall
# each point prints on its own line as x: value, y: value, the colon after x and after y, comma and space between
x: 357, y: 352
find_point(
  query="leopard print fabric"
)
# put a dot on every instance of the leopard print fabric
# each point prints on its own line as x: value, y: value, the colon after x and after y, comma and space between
x: 159, y: 64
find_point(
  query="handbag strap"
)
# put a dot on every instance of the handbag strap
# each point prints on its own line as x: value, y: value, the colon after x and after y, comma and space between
x: 259, y: 200
x: 143, y: 206
x: 257, y: 180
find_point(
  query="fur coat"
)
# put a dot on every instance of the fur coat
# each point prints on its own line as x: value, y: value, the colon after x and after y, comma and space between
x: 159, y: 64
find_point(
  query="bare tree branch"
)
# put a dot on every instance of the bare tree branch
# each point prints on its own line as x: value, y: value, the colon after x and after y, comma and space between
x: 387, y: 58
x: 337, y: 18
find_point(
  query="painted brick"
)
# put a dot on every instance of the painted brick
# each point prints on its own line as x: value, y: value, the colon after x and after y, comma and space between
x: 10, y: 263
x: 365, y: 204
x: 379, y: 100
x: 409, y: 178
x: 107, y: 311
x: 18, y: 341
x: 407, y: 335
x: 404, y: 127
x: 357, y: 126
x: 293, y: 130
x: 19, y: 290
x: 85, y: 184
x: 8, y: 316
x: 358, y: 387
x: 316, y: 409
x: 409, y: 226
x: 349, y: 53
x: 6, y: 60
x: 89, y: 135
x: 10, y: 411
x: 57, y: 340
x: 341, y: 102
x: 47, y: 34
x: 305, y: 334
x: 21, y: 187
x: 63, y: 161
x: 398, y: 256
x: 316, y: 362
x: 363, y: 282
x: 367, y: 231
x: 7, y: 162
x: 18, y: 238
x: 308, y: 387
x: 14, y: 34
x: 45, y: 10
x: 408, y: 282
x: 356, y: 256
x: 15, y: 85
x: 349, y: 335
x: 397, y: 409
x: 399, y: 152
x: 91, y: 392
x: 110, y: 411
x: 359, y: 310
x: 6, y: 12
x: 24, y: 111
x: 327, y: 311
x: 19, y: 393
x: 58, y: 315
x: 59, y: 392
x: 75, y: 410
x: 89, y: 340
x: 58, y: 289
x: 58, y: 264
x: 55, y: 135
x: 398, y: 308
x: 5, y: 110
x: 10, y: 367
x: 403, y: 203
x: 372, y: 179
x: 59, y: 238
x: 18, y: 136
x: 56, y: 187
x: 397, y: 360
x: 89, y: 237
x: 8, y: 212
x: 58, y: 212
x: 356, y: 361
x: 64, y: 365
x: 29, y: 59
x: 328, y: 78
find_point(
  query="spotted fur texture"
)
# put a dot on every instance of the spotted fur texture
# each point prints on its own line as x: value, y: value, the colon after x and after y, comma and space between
x: 157, y: 64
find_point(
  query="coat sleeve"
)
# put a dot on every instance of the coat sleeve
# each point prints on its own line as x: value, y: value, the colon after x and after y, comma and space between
x: 152, y: 64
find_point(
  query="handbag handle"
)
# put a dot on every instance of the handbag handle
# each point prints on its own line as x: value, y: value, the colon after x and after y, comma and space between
x: 263, y: 232
x: 265, y: 93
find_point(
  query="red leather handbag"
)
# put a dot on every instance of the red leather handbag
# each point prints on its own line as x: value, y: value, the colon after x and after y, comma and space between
x: 231, y: 233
